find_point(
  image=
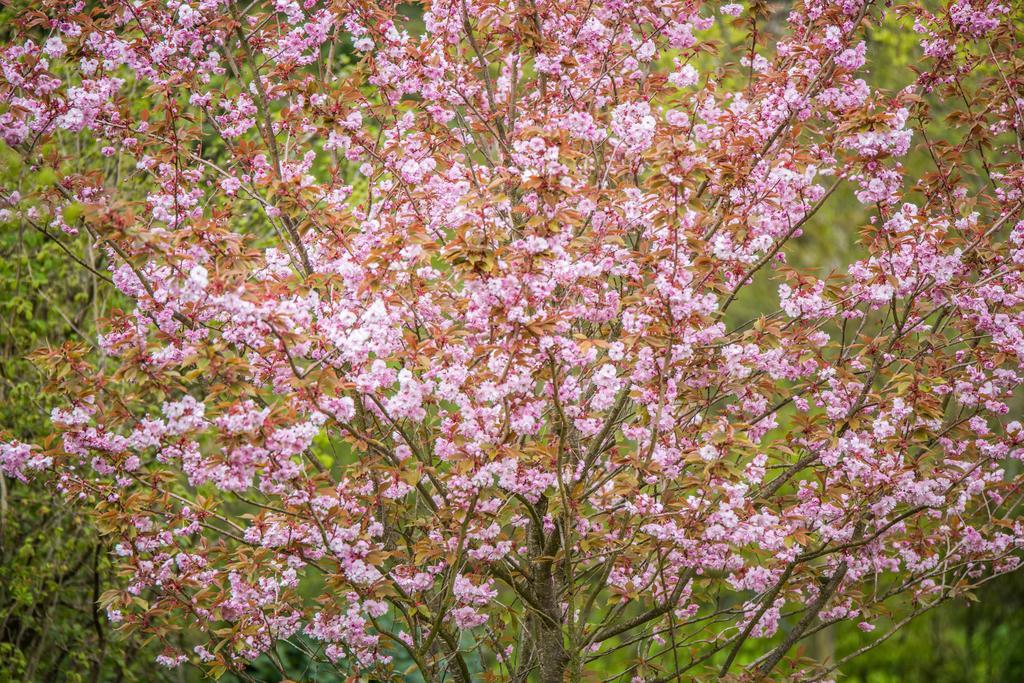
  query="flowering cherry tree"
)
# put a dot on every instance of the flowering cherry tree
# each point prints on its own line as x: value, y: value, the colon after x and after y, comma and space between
x: 426, y: 347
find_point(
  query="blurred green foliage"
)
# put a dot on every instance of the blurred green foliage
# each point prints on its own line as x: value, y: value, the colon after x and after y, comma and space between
x: 53, y: 564
x: 959, y: 642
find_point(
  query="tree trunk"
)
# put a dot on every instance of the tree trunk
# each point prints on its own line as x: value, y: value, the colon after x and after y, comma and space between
x: 551, y: 654
x: 547, y: 627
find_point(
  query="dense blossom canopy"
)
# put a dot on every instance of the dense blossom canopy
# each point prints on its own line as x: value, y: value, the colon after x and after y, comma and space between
x: 426, y: 351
